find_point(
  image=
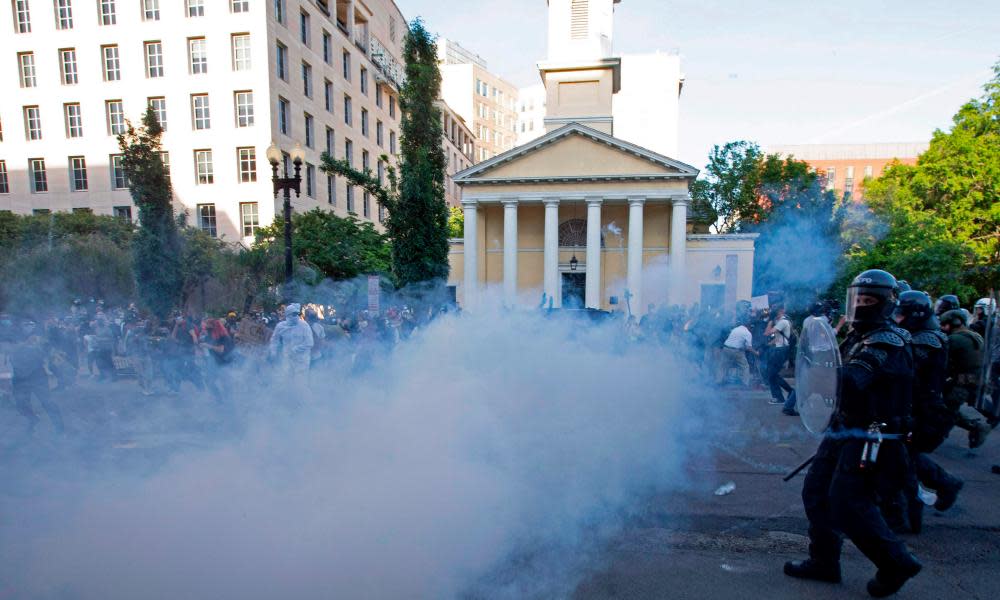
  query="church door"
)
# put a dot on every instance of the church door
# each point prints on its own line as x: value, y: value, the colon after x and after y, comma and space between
x: 573, y: 289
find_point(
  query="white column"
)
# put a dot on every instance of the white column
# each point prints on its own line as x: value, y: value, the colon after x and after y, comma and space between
x: 678, y: 250
x: 550, y: 259
x: 470, y: 249
x: 509, y: 252
x: 634, y: 283
x: 593, y: 296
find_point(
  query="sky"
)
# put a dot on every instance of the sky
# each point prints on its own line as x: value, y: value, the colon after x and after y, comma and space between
x: 770, y: 71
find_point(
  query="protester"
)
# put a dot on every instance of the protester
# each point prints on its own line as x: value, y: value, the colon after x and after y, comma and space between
x: 734, y: 354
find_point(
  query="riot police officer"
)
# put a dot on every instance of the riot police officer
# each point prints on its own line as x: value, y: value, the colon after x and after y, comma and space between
x: 966, y: 353
x: 863, y: 445
x: 946, y: 303
x: 932, y: 420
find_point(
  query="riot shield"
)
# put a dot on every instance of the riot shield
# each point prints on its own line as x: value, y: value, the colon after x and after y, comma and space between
x: 984, y: 402
x: 817, y: 363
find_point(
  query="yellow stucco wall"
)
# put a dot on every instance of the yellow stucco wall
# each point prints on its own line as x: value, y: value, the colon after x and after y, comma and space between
x: 576, y: 155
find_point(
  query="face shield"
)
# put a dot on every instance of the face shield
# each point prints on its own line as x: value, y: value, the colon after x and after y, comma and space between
x: 861, y: 306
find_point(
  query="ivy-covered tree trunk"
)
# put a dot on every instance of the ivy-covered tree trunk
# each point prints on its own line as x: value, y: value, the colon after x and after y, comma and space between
x: 417, y: 220
x: 156, y: 249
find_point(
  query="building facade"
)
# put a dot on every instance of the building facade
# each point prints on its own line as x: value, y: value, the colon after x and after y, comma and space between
x: 530, y: 113
x: 580, y: 218
x: 486, y: 102
x: 458, y: 144
x: 226, y: 78
x: 846, y: 166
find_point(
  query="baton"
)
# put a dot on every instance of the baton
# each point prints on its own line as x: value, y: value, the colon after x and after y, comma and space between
x: 799, y: 468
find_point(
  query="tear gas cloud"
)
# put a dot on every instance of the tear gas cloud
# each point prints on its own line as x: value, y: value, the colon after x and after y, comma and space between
x: 487, y: 457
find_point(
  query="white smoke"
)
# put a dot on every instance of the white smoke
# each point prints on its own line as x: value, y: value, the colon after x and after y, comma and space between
x: 487, y: 457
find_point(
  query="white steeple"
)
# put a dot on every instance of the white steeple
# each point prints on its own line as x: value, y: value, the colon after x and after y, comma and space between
x: 580, y: 29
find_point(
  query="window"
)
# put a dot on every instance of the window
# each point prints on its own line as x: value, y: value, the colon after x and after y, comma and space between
x: 327, y: 48
x: 392, y: 29
x: 381, y: 171
x: 349, y: 152
x: 196, y: 8
x: 154, y: 59
x: 64, y: 14
x: 36, y: 172
x: 347, y: 65
x: 310, y: 139
x: 831, y: 178
x: 116, y: 117
x: 74, y: 120
x: 283, y: 116
x: 112, y: 64
x: 244, y: 109
x: 200, y: 112
x: 329, y: 141
x: 364, y: 81
x: 381, y: 213
x: 150, y: 10
x: 206, y: 219
x: 123, y: 212
x: 239, y: 6
x: 279, y: 11
x: 197, y: 56
x: 165, y: 159
x: 307, y: 86
x: 32, y: 123
x: 118, y: 179
x: 159, y: 106
x: 365, y: 161
x: 392, y: 142
x: 392, y: 106
x: 379, y: 133
x: 849, y: 180
x: 328, y: 95
x: 22, y: 18
x: 241, y: 51
x: 246, y: 158
x: 4, y: 184
x: 350, y: 198
x: 108, y: 16
x: 67, y: 59
x: 203, y: 167
x: 310, y: 180
x: 868, y: 171
x: 365, y: 205
x: 78, y: 173
x: 364, y: 122
x: 281, y: 61
x: 347, y: 110
x: 378, y: 95
x: 26, y: 64
x: 331, y: 189
x: 249, y: 218
x: 304, y: 28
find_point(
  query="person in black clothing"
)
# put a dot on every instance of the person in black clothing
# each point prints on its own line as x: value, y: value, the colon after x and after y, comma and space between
x: 29, y: 379
x: 932, y: 420
x: 854, y: 461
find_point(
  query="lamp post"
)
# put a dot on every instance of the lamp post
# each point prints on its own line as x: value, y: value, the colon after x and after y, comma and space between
x: 286, y: 184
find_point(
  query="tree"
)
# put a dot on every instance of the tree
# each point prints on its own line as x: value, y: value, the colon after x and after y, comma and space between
x: 938, y: 222
x: 417, y: 220
x: 156, y: 248
x: 456, y: 222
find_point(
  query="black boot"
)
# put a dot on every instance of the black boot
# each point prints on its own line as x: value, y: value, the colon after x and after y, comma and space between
x: 889, y: 581
x: 948, y: 494
x: 811, y: 569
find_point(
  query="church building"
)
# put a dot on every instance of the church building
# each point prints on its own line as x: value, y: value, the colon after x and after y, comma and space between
x: 581, y: 216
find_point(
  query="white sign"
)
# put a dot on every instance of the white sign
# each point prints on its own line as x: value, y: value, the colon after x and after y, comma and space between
x: 374, y: 290
x: 759, y: 302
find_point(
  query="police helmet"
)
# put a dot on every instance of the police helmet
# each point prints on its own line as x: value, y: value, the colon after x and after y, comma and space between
x: 955, y: 317
x: 871, y: 298
x: 904, y: 286
x: 915, y: 307
x: 987, y: 305
x: 946, y: 303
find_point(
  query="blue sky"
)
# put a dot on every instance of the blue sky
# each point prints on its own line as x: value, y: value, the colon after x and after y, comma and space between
x: 772, y: 71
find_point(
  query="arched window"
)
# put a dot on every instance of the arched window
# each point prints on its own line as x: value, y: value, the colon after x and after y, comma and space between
x: 573, y: 234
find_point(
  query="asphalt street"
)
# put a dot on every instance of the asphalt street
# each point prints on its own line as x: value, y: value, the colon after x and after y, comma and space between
x: 699, y: 545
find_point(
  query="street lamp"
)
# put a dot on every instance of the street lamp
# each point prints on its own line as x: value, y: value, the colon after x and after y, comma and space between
x: 573, y: 262
x: 286, y: 184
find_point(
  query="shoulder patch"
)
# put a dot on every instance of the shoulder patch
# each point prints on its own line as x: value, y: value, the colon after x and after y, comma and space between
x: 927, y: 338
x: 888, y: 337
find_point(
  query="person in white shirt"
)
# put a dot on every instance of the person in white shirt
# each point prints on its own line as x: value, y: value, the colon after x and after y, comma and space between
x: 778, y: 331
x: 734, y: 354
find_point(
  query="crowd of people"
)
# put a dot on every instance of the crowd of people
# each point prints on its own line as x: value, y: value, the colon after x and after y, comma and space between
x: 96, y: 342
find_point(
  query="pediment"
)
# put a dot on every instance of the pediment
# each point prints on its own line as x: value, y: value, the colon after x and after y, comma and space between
x: 576, y: 152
